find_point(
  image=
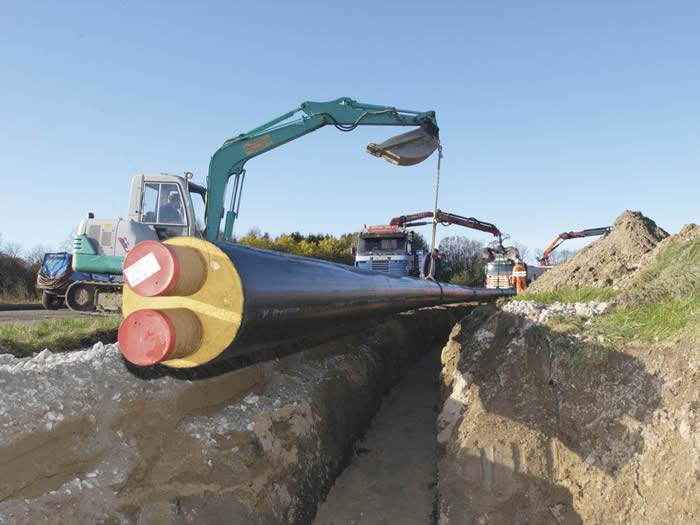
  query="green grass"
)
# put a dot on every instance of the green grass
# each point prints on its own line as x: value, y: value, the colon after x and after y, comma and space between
x: 22, y: 339
x: 660, y: 305
x: 568, y: 295
x: 675, y: 273
x: 657, y: 321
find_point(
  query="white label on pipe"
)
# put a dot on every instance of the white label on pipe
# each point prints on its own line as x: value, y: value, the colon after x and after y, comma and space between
x: 141, y: 269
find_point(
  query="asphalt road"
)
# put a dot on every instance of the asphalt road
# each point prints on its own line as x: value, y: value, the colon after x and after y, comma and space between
x: 15, y: 313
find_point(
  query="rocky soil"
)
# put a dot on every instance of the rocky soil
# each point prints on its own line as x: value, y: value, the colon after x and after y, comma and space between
x: 83, y: 440
x: 537, y: 428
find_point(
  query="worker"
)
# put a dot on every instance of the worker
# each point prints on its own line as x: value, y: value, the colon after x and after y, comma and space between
x: 435, y: 256
x: 172, y: 211
x: 519, y: 276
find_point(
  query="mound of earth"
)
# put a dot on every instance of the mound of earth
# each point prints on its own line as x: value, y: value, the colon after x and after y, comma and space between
x: 689, y: 232
x: 608, y: 261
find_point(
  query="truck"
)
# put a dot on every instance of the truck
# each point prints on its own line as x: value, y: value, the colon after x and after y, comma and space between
x: 391, y: 248
x: 388, y: 249
x: 161, y: 205
x: 500, y: 261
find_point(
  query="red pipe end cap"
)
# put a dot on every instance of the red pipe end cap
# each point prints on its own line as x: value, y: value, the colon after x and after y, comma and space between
x: 151, y: 268
x: 146, y: 337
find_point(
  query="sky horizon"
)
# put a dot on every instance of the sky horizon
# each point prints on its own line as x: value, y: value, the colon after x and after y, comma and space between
x: 553, y: 117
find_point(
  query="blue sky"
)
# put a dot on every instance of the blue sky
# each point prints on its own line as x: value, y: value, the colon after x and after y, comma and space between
x: 554, y: 116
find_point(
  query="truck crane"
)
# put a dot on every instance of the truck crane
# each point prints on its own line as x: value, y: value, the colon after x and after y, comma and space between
x: 544, y: 260
x: 408, y: 221
x: 390, y: 248
x: 101, y: 244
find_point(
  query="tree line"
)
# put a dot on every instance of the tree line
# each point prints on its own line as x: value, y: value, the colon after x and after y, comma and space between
x: 18, y: 274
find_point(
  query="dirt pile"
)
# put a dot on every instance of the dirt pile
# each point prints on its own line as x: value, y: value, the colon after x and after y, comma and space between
x: 539, y: 428
x: 689, y: 232
x: 606, y: 262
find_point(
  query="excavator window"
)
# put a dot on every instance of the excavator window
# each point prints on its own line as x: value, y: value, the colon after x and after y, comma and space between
x: 163, y: 207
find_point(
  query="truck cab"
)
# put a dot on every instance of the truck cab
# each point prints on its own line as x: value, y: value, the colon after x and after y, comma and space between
x: 388, y: 249
x: 499, y: 272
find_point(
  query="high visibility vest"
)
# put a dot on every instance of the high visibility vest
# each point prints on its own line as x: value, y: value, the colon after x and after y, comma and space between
x: 519, y: 271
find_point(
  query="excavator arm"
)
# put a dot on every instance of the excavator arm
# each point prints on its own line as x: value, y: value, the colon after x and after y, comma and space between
x: 544, y: 260
x: 344, y: 113
x: 409, y: 221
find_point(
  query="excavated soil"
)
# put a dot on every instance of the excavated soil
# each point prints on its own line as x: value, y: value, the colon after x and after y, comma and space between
x: 85, y: 440
x: 609, y: 261
x: 541, y: 427
x: 536, y: 429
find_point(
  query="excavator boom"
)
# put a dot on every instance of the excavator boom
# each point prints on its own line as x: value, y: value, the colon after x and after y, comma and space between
x: 343, y: 113
x: 544, y: 260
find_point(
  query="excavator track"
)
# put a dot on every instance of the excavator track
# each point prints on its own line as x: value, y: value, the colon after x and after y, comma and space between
x: 94, y: 296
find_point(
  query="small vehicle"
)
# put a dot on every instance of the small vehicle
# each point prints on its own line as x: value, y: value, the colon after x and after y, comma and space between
x: 56, y: 276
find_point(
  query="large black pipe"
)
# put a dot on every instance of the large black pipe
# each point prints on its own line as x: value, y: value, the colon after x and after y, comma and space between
x: 265, y: 295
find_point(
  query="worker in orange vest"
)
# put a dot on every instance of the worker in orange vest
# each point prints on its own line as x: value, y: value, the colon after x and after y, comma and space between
x: 519, y: 276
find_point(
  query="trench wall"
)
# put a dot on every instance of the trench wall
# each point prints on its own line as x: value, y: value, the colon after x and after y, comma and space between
x: 83, y: 439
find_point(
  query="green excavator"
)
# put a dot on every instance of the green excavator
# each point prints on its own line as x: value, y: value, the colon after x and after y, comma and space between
x: 162, y: 206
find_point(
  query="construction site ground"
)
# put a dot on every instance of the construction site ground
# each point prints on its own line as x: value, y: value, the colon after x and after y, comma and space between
x: 480, y: 414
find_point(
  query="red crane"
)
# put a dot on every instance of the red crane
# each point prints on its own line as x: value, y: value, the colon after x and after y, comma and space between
x: 544, y: 261
x: 446, y: 219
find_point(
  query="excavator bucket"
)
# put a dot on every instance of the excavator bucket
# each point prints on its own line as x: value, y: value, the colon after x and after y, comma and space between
x: 406, y: 149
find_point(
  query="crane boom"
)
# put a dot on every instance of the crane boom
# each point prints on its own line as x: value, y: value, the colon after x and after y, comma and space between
x: 544, y: 260
x: 344, y: 113
x: 445, y: 219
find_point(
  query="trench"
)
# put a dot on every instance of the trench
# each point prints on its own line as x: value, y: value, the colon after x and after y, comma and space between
x: 342, y: 431
x: 393, y: 473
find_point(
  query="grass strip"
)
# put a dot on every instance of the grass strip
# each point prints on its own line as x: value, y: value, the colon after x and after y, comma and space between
x: 22, y: 339
x: 667, y: 318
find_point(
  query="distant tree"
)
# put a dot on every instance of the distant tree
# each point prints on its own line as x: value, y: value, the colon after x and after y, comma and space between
x: 17, y: 278
x: 419, y: 242
x: 66, y: 244
x: 296, y: 236
x: 523, y: 250
x: 317, y: 246
x: 12, y: 249
x: 462, y: 264
x: 35, y: 255
x: 560, y: 256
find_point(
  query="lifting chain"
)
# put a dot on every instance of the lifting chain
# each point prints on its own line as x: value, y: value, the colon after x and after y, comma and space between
x: 435, y: 221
